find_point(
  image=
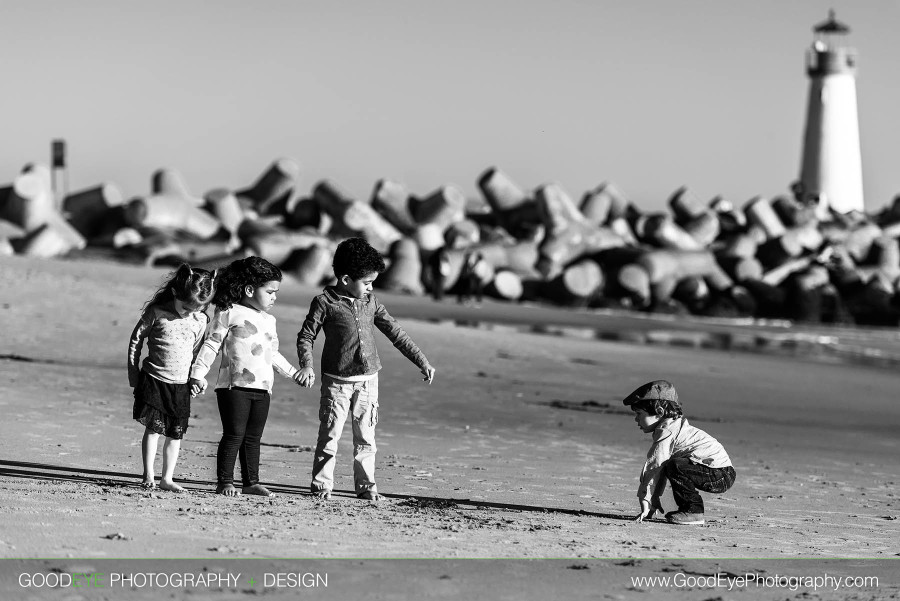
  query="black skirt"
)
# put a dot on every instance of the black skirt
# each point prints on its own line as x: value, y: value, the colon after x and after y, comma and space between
x: 163, y: 408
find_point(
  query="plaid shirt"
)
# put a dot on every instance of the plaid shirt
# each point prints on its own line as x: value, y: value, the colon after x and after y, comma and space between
x: 349, y: 325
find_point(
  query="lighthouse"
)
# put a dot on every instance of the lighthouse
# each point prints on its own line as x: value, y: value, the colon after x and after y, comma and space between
x: 831, y: 168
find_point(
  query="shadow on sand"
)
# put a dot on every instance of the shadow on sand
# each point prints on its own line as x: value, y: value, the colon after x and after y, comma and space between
x: 43, y: 471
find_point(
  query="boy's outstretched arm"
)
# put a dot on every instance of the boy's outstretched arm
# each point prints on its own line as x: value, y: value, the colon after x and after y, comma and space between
x: 428, y: 372
x: 401, y: 340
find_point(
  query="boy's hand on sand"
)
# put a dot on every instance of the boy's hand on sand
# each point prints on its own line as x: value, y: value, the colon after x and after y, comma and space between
x: 647, y: 510
x: 428, y: 372
x: 306, y: 377
x: 197, y: 386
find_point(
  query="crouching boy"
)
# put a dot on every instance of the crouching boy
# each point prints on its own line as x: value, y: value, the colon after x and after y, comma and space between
x: 688, y: 457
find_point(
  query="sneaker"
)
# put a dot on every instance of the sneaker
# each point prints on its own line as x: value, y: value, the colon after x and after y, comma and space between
x: 683, y: 518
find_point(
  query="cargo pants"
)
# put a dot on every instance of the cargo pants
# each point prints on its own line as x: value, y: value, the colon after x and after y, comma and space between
x: 359, y: 401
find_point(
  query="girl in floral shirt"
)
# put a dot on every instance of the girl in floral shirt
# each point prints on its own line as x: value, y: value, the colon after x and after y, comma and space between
x: 245, y: 332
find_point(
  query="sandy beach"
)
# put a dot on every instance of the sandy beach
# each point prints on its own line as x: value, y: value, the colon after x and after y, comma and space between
x: 520, y: 450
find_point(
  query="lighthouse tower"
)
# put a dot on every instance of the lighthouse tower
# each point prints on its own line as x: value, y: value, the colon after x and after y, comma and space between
x: 832, y: 165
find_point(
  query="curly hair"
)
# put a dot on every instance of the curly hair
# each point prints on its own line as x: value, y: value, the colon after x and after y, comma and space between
x: 660, y: 407
x: 354, y: 257
x: 252, y: 271
x: 187, y: 285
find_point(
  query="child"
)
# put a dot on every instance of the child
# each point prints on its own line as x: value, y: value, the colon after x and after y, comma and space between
x: 690, y: 458
x: 348, y: 312
x: 173, y: 323
x: 242, y: 325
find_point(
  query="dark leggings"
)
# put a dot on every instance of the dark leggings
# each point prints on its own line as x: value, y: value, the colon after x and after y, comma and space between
x: 686, y: 477
x: 243, y: 412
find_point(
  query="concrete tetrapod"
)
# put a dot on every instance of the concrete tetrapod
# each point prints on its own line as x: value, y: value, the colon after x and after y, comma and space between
x: 273, y: 188
x: 276, y: 244
x: 506, y: 285
x: 443, y: 207
x: 392, y: 201
x: 576, y: 285
x: 87, y: 210
x: 665, y: 268
x: 602, y: 204
x: 462, y: 234
x: 404, y: 273
x: 512, y: 208
x: 518, y: 257
x: 659, y: 229
x: 168, y: 182
x: 354, y: 218
x: 568, y: 234
x: 167, y: 211
x: 685, y: 206
x: 225, y: 206
x: 759, y: 212
x: 310, y: 265
x: 29, y: 203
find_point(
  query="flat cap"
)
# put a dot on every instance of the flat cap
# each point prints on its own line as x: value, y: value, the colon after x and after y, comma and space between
x: 657, y: 390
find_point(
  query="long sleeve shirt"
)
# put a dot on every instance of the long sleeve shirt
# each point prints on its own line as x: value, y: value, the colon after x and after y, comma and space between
x: 250, y: 355
x: 172, y: 341
x: 675, y: 437
x: 349, y: 325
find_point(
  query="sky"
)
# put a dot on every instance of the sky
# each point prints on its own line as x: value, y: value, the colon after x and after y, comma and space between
x: 649, y: 95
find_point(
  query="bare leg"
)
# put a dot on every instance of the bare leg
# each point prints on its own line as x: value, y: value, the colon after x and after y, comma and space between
x: 148, y: 456
x: 170, y: 457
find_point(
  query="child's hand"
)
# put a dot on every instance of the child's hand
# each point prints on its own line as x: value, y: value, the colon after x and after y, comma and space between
x: 305, y: 377
x: 197, y: 386
x: 648, y: 509
x: 428, y: 372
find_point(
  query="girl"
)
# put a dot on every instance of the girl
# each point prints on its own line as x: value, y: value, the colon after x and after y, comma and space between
x: 242, y: 325
x: 173, y: 323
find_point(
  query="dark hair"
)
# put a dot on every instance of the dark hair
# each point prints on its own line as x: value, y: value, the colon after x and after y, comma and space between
x: 187, y: 285
x: 356, y: 258
x: 252, y: 271
x: 660, y: 407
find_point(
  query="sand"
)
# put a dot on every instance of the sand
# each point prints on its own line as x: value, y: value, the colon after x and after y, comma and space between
x: 520, y: 450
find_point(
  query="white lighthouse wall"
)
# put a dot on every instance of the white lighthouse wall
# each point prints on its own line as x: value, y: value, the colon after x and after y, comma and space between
x: 832, y: 163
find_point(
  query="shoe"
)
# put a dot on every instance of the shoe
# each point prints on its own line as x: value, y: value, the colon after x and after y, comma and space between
x: 684, y: 518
